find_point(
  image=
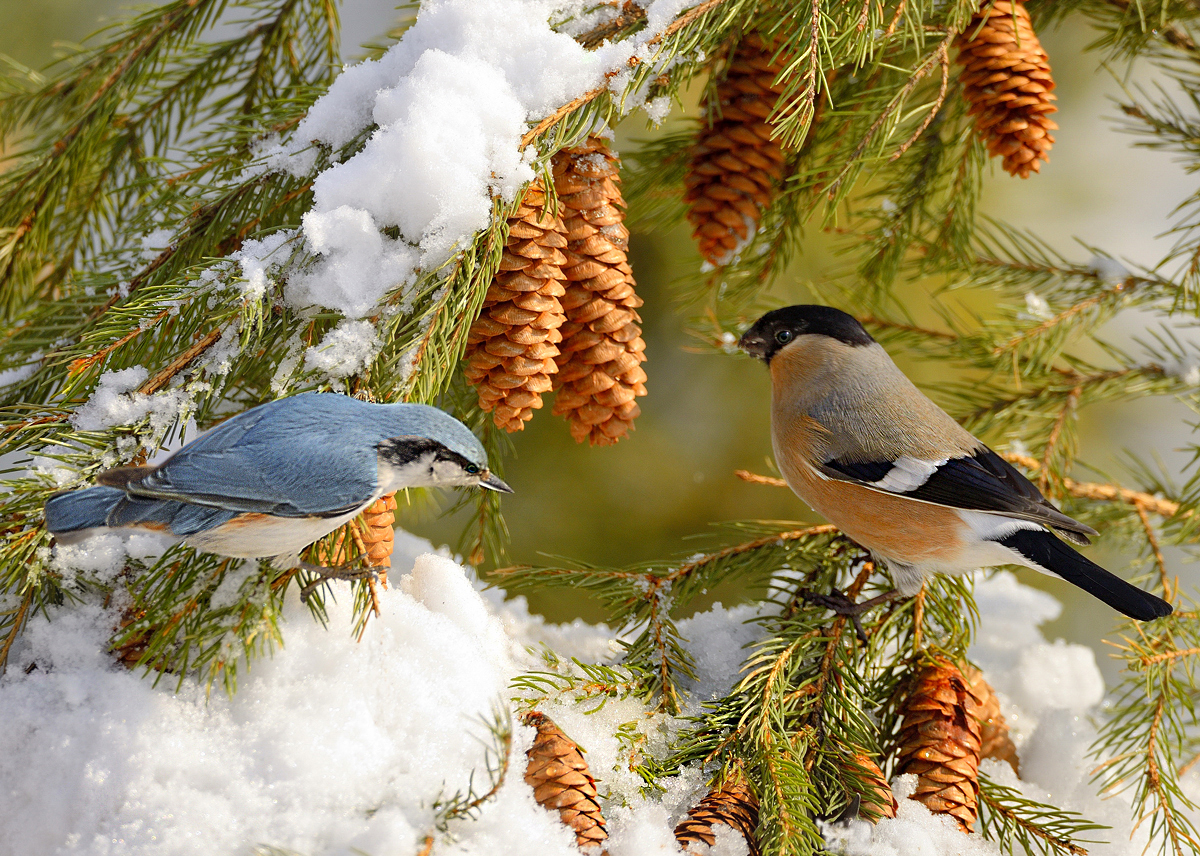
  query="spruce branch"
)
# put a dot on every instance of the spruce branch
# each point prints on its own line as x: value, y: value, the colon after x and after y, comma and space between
x: 1016, y: 822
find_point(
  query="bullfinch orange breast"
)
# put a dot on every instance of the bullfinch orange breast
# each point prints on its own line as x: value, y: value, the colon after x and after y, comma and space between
x: 857, y: 441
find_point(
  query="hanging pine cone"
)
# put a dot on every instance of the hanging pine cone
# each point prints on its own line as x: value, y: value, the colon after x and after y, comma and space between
x: 736, y: 166
x: 560, y: 780
x: 1006, y: 79
x: 995, y: 741
x: 376, y: 536
x: 730, y: 802
x: 939, y: 742
x: 512, y: 345
x: 877, y: 802
x: 599, y: 369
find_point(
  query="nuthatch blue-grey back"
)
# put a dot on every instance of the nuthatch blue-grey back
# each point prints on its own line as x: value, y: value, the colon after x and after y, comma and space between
x: 857, y: 441
x: 272, y: 480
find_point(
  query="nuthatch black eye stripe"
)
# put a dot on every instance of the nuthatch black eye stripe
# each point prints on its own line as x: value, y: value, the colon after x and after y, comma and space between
x: 271, y: 480
x: 857, y: 441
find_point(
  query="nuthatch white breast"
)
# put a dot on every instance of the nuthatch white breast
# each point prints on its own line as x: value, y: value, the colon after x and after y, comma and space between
x: 274, y: 479
x: 857, y: 441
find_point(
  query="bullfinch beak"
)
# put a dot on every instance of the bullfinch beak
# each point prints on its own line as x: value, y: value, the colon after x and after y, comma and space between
x: 754, y: 344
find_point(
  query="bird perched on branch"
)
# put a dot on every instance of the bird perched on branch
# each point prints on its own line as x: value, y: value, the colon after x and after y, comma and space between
x: 858, y: 442
x: 272, y: 480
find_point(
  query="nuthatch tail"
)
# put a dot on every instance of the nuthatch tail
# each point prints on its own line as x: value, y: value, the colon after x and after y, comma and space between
x: 272, y: 480
x: 857, y: 441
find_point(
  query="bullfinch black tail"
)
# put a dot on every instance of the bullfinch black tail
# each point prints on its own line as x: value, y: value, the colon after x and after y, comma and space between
x: 75, y: 510
x: 1052, y: 555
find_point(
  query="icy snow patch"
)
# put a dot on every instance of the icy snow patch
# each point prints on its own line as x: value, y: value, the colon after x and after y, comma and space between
x: 450, y: 102
x: 115, y: 402
x: 347, y: 348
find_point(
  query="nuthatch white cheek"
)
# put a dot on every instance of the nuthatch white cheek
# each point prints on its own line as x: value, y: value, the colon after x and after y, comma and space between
x: 272, y: 480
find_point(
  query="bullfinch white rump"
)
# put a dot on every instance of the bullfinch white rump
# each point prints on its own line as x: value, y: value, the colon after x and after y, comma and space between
x: 857, y: 441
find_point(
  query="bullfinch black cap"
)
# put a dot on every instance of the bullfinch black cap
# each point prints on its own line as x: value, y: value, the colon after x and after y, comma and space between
x: 780, y: 327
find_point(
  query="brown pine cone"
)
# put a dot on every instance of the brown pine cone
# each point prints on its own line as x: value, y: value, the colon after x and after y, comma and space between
x: 1006, y: 79
x: 560, y: 780
x: 736, y: 166
x: 995, y: 741
x: 878, y: 802
x: 377, y: 535
x: 512, y: 345
x: 939, y: 742
x: 599, y: 369
x: 730, y: 802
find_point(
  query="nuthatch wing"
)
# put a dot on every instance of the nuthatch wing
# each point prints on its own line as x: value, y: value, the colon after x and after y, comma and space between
x: 857, y: 441
x: 274, y: 479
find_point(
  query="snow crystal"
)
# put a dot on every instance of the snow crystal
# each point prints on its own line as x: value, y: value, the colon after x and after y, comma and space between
x: 219, y: 358
x: 255, y: 257
x: 347, y: 348
x: 658, y: 109
x: 155, y: 242
x: 114, y: 401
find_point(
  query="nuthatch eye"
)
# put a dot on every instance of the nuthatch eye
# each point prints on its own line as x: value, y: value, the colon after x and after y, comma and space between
x: 272, y: 480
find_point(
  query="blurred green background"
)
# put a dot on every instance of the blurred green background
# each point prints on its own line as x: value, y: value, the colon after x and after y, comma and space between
x: 706, y: 415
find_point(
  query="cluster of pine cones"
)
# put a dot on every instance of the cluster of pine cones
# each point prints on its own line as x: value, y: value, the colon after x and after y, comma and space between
x: 562, y: 312
x: 950, y: 721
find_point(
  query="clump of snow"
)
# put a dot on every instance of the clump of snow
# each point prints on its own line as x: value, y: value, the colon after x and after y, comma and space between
x: 256, y: 257
x: 449, y: 104
x: 358, y: 264
x: 658, y: 109
x: 1185, y: 369
x: 347, y: 348
x: 915, y: 831
x: 1108, y: 269
x: 19, y: 373
x: 1037, y: 306
x: 153, y: 243
x: 116, y: 402
x: 101, y: 555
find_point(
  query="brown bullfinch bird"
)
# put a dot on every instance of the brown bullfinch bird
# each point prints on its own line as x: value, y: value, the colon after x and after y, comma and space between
x: 857, y: 441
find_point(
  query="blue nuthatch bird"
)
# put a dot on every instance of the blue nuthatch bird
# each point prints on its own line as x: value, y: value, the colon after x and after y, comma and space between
x: 857, y: 441
x: 274, y: 479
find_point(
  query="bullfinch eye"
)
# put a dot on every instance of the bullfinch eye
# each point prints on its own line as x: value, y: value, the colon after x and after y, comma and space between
x: 783, y: 337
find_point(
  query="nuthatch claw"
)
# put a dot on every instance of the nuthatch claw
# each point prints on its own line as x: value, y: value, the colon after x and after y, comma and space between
x: 274, y: 479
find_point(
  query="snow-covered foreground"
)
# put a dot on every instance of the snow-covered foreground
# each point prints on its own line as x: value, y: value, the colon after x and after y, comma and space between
x: 338, y: 747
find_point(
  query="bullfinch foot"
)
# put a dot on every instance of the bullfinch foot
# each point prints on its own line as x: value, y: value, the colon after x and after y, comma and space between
x: 343, y: 572
x: 839, y: 604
